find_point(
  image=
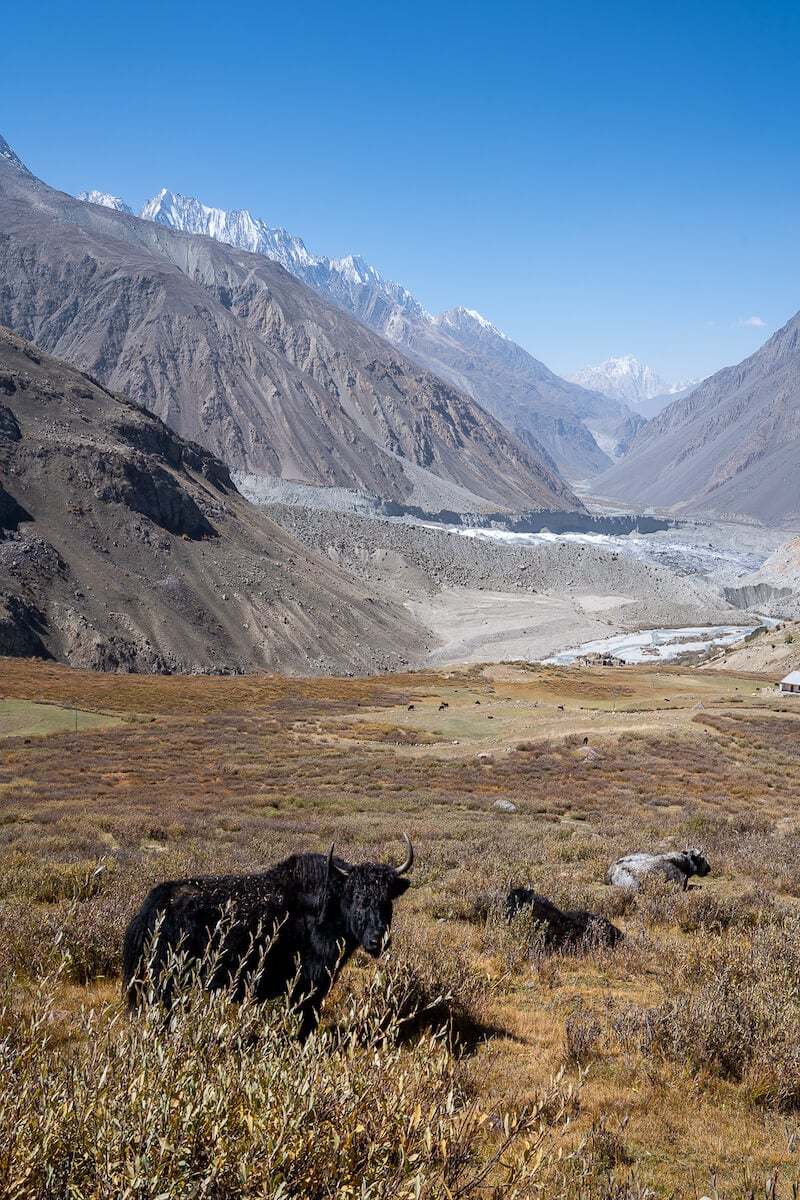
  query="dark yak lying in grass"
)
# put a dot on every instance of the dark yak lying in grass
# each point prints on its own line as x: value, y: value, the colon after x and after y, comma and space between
x: 292, y: 927
x: 563, y: 930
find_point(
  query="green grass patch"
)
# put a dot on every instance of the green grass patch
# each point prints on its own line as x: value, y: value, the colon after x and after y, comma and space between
x: 26, y: 718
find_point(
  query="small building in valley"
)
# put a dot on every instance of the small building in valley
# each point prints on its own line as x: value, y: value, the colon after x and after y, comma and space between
x: 791, y: 683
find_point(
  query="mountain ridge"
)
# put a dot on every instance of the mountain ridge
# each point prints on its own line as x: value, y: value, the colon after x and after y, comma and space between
x: 557, y: 420
x: 236, y: 353
x: 105, y: 200
x: 730, y: 447
x: 11, y: 157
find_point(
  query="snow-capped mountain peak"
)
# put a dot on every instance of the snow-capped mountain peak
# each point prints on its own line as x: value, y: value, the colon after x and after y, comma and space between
x: 240, y: 228
x: 683, y: 385
x: 105, y: 201
x: 461, y: 346
x: 623, y: 379
x: 465, y: 319
x: 355, y: 269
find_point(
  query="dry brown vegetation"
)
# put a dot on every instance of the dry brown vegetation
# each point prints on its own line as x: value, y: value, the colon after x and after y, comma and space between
x: 681, y: 1051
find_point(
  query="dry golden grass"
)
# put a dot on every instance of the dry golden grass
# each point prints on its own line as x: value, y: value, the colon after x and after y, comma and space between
x: 682, y: 1045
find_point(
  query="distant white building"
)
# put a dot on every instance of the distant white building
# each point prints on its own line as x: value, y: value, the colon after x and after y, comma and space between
x: 791, y: 683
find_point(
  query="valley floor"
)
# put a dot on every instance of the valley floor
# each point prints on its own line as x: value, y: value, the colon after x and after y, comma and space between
x: 489, y: 596
x: 487, y: 626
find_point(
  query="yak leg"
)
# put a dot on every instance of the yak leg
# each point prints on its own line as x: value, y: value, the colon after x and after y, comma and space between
x: 306, y: 999
x: 309, y: 1010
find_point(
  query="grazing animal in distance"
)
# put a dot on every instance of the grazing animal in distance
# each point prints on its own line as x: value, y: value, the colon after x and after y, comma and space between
x: 677, y: 866
x: 563, y: 930
x: 444, y: 704
x: 290, y: 927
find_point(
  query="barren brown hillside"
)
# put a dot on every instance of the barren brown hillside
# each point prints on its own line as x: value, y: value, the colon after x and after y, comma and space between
x: 126, y: 548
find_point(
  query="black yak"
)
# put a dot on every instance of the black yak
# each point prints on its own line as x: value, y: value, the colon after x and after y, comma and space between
x: 563, y: 930
x: 677, y: 866
x: 290, y: 927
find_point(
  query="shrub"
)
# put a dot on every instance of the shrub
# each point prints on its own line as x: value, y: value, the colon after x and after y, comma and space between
x: 211, y: 1100
x: 735, y: 1008
x: 516, y: 943
x: 582, y: 1034
x: 33, y: 879
x: 91, y: 937
x: 428, y: 983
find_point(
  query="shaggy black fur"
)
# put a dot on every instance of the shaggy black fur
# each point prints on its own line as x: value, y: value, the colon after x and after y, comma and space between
x: 291, y: 926
x: 563, y: 930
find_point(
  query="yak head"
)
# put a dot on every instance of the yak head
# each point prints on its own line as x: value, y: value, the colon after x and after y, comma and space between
x: 367, y: 893
x: 517, y: 899
x: 700, y: 865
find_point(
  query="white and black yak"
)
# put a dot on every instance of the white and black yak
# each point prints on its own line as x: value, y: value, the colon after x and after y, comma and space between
x: 568, y: 929
x: 290, y: 927
x: 677, y: 866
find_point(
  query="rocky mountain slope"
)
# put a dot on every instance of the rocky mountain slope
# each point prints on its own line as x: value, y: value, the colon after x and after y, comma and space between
x: 237, y: 354
x: 730, y: 448
x: 552, y: 416
x: 124, y: 547
x: 581, y: 430
x: 653, y: 405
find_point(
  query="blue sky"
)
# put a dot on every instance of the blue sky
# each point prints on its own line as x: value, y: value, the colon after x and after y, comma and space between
x: 597, y: 179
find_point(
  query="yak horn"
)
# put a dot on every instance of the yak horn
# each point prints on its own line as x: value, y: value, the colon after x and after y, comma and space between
x: 332, y: 866
x: 408, y: 864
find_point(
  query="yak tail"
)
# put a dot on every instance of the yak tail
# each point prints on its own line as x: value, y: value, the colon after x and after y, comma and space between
x: 132, y: 956
x: 138, y: 952
x: 143, y: 948
x: 154, y: 969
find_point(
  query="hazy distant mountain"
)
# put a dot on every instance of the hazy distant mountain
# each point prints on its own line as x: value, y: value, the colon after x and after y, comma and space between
x: 237, y: 354
x: 542, y: 409
x: 555, y: 418
x: 628, y: 380
x: 123, y: 547
x: 731, y: 447
x: 107, y: 201
x: 653, y: 405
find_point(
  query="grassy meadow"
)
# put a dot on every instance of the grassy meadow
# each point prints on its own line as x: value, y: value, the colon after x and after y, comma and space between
x: 466, y: 1062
